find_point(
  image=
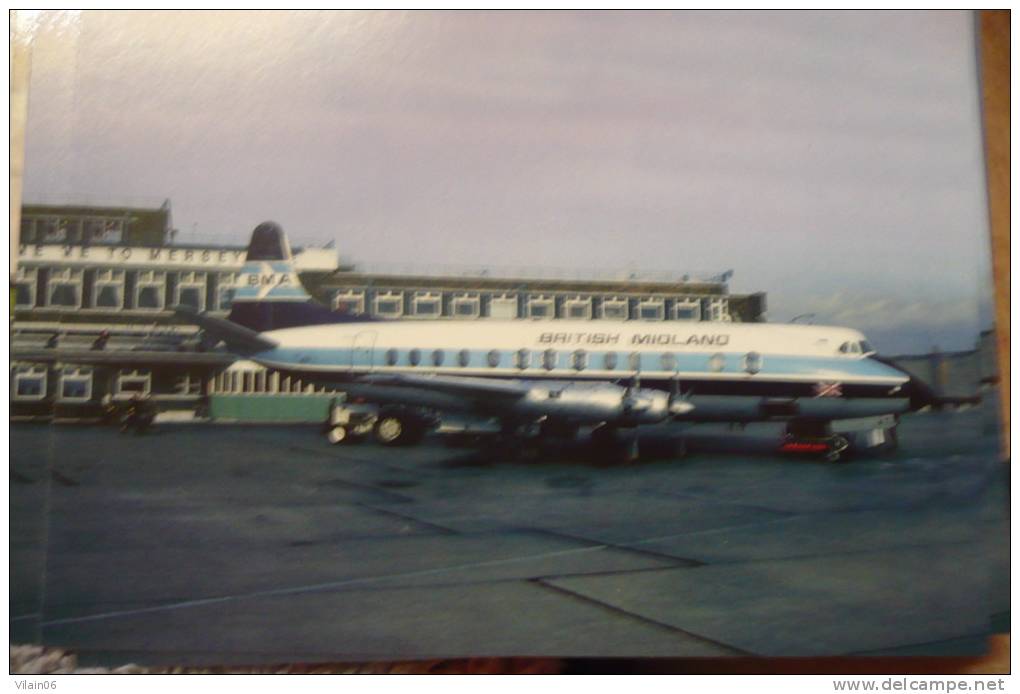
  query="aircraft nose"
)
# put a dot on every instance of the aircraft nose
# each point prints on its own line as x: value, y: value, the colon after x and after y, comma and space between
x: 920, y: 393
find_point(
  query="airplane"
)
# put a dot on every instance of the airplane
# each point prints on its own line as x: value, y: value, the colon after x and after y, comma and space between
x: 824, y: 383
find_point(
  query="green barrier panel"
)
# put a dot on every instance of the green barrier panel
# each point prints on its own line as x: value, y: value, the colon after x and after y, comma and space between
x: 269, y: 408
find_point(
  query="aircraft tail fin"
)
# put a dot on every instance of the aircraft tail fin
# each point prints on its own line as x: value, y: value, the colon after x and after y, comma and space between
x: 270, y: 295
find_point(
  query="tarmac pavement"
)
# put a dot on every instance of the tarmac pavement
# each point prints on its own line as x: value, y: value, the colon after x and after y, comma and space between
x: 250, y: 544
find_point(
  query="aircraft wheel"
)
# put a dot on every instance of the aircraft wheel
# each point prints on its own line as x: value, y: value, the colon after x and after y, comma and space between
x: 390, y: 429
x: 838, y: 446
x: 337, y: 435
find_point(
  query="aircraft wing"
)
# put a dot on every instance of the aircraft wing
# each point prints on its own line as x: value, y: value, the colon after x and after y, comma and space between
x: 463, y: 386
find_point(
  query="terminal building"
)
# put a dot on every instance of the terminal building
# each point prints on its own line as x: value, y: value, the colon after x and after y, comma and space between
x: 94, y: 288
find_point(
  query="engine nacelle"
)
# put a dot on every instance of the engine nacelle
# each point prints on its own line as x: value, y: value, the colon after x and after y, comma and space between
x: 590, y: 403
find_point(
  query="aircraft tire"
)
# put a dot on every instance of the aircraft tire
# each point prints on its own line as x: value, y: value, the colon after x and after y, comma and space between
x: 398, y: 429
x: 390, y: 429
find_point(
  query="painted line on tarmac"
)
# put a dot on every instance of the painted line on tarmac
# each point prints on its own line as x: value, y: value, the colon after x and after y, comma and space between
x: 298, y: 590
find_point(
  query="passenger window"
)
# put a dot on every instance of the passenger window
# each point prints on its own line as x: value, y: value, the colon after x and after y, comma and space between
x: 437, y: 357
x: 523, y: 359
x: 493, y: 358
x: 579, y: 360
x: 634, y: 361
x: 752, y: 363
x: 609, y: 361
x: 717, y: 362
x: 414, y: 357
x: 668, y: 362
x: 464, y: 357
x: 549, y: 359
x: 391, y: 357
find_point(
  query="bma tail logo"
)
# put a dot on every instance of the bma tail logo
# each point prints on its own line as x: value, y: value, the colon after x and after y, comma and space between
x: 272, y: 279
x: 263, y: 280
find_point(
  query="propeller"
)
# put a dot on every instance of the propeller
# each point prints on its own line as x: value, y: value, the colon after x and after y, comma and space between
x: 678, y: 402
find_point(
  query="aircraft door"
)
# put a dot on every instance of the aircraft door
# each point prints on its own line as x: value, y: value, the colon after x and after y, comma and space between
x: 361, y: 351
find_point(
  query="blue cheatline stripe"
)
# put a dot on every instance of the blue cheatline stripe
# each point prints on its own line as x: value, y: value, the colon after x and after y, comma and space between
x: 274, y: 294
x: 772, y: 366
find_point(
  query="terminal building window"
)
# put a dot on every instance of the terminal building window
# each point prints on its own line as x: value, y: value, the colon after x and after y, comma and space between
x: 349, y: 303
x: 150, y: 290
x: 191, y: 290
x: 389, y: 305
x: 651, y: 309
x: 466, y: 307
x: 24, y: 287
x: 503, y: 307
x: 614, y: 309
x: 427, y: 305
x: 76, y: 384
x: 541, y: 307
x: 717, y: 309
x: 108, y: 292
x: 226, y: 288
x: 134, y: 382
x: 65, y: 288
x: 50, y: 230
x: 578, y: 309
x: 29, y: 383
x: 103, y: 230
x: 687, y: 309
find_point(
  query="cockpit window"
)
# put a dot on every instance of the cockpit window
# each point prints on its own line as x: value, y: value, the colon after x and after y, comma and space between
x: 844, y: 348
x: 866, y: 347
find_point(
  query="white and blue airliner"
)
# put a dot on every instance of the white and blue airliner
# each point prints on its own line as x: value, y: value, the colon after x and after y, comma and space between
x: 562, y: 375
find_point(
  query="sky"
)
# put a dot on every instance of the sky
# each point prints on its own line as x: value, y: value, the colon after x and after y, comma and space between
x: 832, y: 159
